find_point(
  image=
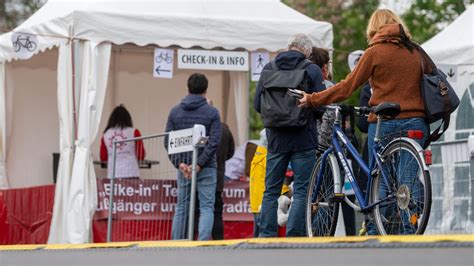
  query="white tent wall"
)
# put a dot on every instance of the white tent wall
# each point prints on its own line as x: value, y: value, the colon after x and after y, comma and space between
x: 82, y: 198
x: 33, y: 132
x: 66, y: 142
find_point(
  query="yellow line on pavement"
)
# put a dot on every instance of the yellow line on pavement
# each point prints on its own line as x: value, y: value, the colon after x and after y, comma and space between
x: 294, y: 240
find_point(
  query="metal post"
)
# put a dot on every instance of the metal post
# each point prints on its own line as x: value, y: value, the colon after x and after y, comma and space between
x: 192, y: 201
x: 111, y: 196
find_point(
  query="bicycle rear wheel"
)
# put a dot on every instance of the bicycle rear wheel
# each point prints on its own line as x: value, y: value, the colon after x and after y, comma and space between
x: 321, y: 211
x: 409, y: 185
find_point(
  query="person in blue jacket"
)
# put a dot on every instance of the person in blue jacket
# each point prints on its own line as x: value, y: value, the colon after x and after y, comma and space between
x: 194, y: 109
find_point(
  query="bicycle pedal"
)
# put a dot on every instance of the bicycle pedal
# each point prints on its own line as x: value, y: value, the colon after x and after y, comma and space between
x: 338, y: 197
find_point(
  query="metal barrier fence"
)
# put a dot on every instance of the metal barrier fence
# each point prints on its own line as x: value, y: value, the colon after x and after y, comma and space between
x: 142, y: 206
x: 452, y: 181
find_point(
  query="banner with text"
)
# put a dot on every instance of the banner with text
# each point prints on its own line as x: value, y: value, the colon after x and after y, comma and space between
x: 148, y: 199
x: 213, y: 60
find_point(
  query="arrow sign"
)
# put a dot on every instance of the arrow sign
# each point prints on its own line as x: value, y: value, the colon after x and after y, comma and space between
x: 163, y: 63
x: 162, y: 70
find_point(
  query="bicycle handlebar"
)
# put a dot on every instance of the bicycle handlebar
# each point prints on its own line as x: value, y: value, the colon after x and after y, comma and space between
x: 347, y: 109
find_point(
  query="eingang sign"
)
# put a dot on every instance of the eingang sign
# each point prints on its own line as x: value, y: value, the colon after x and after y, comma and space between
x: 213, y: 60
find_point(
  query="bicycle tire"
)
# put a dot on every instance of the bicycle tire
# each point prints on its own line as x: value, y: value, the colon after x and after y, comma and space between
x: 406, y: 214
x: 322, y: 215
x: 16, y: 46
x: 31, y: 46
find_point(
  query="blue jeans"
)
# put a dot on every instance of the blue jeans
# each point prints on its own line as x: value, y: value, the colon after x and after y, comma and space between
x: 302, y: 163
x: 409, y: 167
x: 206, y: 189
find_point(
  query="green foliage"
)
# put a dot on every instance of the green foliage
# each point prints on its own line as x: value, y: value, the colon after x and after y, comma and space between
x: 426, y: 18
x: 256, y: 123
x: 14, y: 12
x: 349, y: 20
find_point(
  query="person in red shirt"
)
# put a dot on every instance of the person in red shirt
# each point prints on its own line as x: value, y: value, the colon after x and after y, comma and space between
x: 120, y: 127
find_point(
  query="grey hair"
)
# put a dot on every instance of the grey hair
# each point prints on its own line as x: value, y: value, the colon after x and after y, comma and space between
x: 300, y: 42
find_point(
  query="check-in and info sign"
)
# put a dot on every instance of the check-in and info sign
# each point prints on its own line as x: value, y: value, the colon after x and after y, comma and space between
x: 213, y: 60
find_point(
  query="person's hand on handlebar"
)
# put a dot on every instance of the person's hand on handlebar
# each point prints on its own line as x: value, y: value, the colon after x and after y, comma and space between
x: 304, y: 102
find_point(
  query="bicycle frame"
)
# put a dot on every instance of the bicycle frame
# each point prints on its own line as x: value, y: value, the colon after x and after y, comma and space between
x: 363, y: 198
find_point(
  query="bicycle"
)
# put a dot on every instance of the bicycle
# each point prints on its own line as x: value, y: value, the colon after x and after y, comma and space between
x: 398, y: 190
x: 25, y: 43
x: 163, y: 57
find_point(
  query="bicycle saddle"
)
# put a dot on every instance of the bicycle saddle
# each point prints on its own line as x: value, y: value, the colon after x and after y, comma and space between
x: 387, y: 109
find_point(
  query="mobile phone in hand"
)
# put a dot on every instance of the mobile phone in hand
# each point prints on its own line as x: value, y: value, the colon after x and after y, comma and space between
x: 298, y: 94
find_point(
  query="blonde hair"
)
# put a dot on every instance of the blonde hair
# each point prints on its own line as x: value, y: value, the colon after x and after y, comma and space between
x: 382, y: 17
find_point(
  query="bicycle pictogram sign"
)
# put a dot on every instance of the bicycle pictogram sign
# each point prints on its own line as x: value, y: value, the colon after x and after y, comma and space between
x: 164, y: 57
x: 24, y: 42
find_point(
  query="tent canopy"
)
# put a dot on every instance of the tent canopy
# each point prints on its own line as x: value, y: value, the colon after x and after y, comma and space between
x: 455, y: 44
x: 229, y: 24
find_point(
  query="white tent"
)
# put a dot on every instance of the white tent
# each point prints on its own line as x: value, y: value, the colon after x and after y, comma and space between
x: 104, y: 57
x: 453, y: 51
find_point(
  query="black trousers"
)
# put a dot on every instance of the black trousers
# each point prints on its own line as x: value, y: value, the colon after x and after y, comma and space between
x: 349, y: 217
x: 218, y: 227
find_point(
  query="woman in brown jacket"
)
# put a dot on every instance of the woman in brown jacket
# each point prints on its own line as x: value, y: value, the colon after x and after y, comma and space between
x: 392, y: 65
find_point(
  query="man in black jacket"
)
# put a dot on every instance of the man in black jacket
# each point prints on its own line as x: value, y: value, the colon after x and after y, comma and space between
x: 192, y: 110
x: 224, y: 152
x: 295, y: 145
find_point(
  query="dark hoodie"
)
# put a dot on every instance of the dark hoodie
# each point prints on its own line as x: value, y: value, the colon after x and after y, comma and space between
x: 294, y: 139
x: 193, y: 109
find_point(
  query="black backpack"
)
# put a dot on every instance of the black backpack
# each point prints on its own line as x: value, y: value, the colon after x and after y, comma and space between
x: 278, y: 109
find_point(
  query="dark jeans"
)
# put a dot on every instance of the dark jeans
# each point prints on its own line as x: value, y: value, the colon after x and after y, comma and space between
x: 256, y: 224
x: 302, y: 163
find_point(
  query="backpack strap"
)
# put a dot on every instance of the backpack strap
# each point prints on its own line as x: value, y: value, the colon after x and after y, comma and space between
x: 303, y: 64
x: 435, y: 135
x: 274, y: 65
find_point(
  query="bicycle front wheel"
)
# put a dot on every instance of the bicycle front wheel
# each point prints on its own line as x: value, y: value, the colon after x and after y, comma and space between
x: 321, y: 210
x: 406, y: 194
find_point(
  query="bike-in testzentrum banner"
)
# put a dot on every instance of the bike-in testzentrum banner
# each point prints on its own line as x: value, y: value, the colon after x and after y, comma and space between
x: 148, y: 199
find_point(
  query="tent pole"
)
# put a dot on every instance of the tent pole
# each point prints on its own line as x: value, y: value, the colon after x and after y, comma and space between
x: 225, y: 95
x: 73, y: 62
